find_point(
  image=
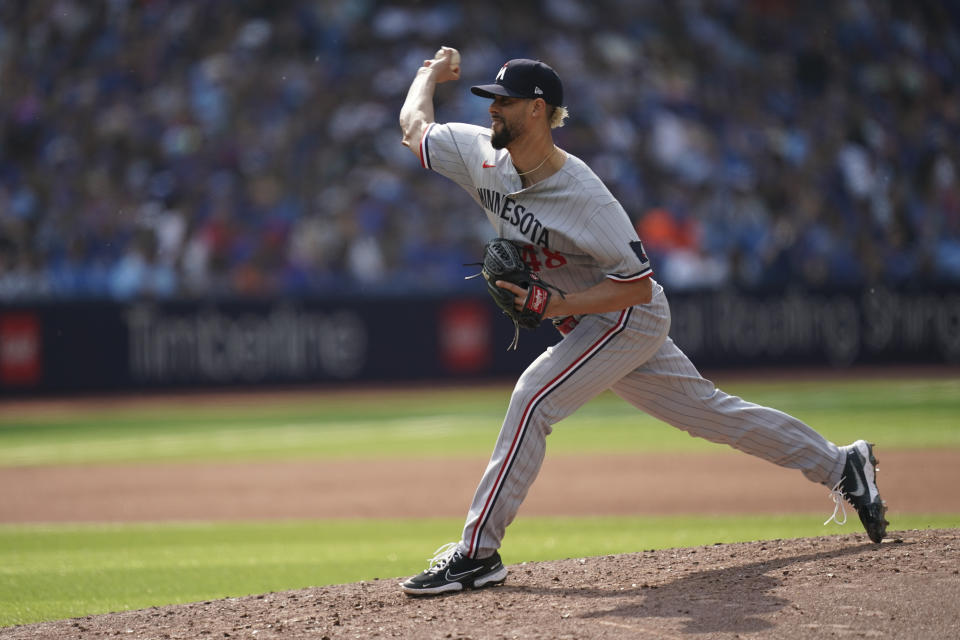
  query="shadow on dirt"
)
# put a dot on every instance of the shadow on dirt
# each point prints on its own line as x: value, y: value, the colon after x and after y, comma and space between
x: 716, y: 600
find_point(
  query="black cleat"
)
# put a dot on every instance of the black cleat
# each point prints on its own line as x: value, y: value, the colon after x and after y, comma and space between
x: 859, y: 487
x: 450, y: 570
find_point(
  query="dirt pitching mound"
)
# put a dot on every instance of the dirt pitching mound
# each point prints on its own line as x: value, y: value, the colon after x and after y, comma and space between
x: 831, y: 586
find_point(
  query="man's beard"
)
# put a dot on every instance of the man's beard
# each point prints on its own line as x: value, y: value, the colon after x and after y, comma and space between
x: 500, y: 139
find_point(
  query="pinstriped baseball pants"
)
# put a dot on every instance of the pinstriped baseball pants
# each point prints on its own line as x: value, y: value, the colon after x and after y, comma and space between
x: 632, y: 355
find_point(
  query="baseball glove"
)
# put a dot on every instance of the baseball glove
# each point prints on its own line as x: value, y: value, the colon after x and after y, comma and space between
x: 502, y: 261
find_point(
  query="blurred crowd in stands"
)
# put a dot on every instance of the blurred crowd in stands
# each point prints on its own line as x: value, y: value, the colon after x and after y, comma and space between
x: 169, y: 149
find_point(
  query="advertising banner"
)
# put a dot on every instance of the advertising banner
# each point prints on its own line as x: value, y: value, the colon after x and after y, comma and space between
x: 83, y: 347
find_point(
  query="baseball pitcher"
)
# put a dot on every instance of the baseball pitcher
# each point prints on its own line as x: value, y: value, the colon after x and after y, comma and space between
x: 585, y: 269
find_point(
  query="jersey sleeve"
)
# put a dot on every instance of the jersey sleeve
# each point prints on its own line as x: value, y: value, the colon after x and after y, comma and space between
x: 613, y: 242
x: 448, y: 148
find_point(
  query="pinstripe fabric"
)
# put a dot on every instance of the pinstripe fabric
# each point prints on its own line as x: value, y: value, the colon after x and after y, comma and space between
x: 670, y: 388
x: 589, y: 360
x: 576, y: 234
x: 572, y: 228
x: 539, y: 399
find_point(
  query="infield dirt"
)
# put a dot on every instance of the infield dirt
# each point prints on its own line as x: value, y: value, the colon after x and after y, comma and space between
x: 628, y: 484
x: 827, y: 587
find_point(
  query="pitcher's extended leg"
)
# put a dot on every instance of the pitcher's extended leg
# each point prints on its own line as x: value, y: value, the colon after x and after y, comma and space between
x: 670, y: 388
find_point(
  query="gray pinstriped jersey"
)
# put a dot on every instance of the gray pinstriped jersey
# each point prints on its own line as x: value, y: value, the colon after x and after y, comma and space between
x: 570, y: 227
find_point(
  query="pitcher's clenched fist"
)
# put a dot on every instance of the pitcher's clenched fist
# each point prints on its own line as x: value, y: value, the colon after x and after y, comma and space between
x: 446, y: 64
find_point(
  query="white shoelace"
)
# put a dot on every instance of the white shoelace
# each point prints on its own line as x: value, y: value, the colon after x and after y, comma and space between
x: 443, y: 555
x: 838, y: 507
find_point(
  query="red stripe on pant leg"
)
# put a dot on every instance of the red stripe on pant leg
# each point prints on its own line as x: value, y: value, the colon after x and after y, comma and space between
x: 523, y: 426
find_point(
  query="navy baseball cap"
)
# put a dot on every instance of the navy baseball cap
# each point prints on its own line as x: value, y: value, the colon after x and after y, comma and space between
x: 523, y: 78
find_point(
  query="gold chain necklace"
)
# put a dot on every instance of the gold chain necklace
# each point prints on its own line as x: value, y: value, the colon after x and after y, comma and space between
x: 539, y: 165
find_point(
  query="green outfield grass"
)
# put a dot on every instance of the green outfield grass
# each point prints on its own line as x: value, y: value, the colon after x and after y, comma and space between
x: 56, y: 572
x: 902, y: 413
